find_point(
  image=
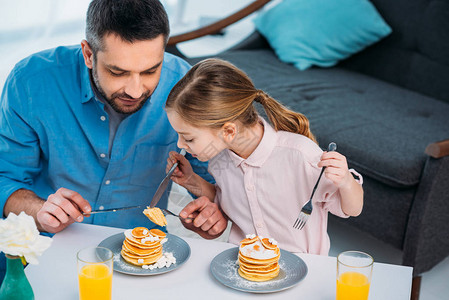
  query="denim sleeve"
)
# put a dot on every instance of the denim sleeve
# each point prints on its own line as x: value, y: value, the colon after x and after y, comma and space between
x: 19, y: 144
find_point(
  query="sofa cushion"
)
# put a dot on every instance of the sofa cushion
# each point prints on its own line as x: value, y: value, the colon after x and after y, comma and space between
x: 415, y: 54
x: 382, y: 129
x: 320, y: 32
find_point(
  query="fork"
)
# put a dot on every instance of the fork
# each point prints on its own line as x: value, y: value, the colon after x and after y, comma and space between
x: 306, y: 210
x: 167, y: 212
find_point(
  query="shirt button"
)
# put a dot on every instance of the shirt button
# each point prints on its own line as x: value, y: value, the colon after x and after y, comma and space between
x: 107, y: 182
x: 103, y: 118
x: 249, y: 187
x: 101, y: 207
x: 102, y: 155
x: 259, y: 225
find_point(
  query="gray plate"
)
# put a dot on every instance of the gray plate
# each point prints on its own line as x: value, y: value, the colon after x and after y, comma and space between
x: 174, y: 244
x: 224, y: 268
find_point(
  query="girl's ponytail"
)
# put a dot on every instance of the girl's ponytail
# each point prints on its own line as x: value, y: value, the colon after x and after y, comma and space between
x: 283, y: 118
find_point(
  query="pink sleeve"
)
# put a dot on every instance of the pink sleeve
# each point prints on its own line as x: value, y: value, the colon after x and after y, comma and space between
x: 359, y: 178
x: 329, y: 197
x: 217, y: 198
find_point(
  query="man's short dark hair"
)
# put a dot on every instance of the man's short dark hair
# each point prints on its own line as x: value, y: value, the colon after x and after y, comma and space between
x: 132, y: 20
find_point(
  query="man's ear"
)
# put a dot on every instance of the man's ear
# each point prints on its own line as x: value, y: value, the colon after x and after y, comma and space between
x: 88, y: 54
x: 229, y: 132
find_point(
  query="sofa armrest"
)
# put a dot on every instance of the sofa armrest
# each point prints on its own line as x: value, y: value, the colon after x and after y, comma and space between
x: 219, y: 25
x: 438, y: 149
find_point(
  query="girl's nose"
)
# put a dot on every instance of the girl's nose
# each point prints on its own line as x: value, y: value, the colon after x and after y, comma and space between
x: 181, y: 143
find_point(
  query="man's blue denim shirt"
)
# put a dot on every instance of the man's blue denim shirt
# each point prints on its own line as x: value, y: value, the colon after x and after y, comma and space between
x: 54, y: 133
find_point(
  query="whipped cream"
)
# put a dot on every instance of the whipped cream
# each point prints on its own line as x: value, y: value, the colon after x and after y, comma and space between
x: 273, y: 241
x: 167, y: 259
x: 128, y: 233
x: 150, y: 238
x: 257, y: 251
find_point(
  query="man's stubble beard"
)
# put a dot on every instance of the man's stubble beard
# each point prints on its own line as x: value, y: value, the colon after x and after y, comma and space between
x: 112, y: 100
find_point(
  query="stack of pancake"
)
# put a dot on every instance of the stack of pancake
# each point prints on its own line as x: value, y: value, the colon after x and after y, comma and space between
x: 258, y: 258
x: 155, y: 215
x: 142, y: 246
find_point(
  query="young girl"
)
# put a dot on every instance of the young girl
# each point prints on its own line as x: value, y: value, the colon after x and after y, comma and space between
x: 264, y: 173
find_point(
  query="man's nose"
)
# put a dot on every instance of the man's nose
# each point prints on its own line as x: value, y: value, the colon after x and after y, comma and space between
x: 135, y: 87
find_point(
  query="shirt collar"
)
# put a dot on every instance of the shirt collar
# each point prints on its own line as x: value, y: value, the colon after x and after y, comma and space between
x: 262, y: 151
x: 87, y: 93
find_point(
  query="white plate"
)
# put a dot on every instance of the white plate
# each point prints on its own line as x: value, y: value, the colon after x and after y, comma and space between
x: 224, y: 268
x: 174, y: 244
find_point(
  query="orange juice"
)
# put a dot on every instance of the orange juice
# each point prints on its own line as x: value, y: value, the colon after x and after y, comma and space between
x: 95, y: 282
x: 352, y: 286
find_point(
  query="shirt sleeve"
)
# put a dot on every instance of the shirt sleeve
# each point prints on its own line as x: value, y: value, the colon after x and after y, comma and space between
x: 327, y: 195
x: 19, y: 144
x: 357, y: 176
x: 330, y: 197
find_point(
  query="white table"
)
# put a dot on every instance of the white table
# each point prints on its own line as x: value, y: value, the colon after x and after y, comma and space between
x: 56, y: 277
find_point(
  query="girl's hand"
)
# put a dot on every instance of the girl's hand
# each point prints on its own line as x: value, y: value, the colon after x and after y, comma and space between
x: 336, y: 168
x: 183, y: 174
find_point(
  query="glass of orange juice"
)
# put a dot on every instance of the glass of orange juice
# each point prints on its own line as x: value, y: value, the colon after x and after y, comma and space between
x: 95, y: 265
x: 354, y: 270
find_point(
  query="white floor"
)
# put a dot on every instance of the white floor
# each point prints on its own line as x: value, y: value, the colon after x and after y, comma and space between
x: 28, y: 26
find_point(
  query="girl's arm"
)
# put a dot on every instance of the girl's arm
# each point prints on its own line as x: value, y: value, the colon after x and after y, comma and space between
x: 351, y: 191
x: 200, y: 187
x: 186, y: 177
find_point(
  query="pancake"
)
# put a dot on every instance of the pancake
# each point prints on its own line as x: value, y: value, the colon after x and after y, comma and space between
x: 258, y: 258
x: 142, y: 246
x: 155, y: 215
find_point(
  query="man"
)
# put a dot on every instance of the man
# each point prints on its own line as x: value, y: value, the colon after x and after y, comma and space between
x: 83, y: 128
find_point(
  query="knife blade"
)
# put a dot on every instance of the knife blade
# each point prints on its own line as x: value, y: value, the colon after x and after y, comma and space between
x: 164, y: 183
x: 111, y: 210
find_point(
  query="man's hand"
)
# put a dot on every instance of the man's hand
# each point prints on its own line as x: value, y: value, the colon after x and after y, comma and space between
x: 62, y: 209
x: 208, y: 221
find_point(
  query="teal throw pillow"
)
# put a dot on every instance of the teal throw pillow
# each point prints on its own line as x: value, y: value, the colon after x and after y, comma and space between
x: 320, y: 32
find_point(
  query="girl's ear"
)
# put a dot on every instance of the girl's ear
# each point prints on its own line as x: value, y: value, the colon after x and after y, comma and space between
x: 229, y: 131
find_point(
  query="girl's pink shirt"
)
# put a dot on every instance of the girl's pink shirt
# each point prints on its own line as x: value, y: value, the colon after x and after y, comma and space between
x: 264, y: 193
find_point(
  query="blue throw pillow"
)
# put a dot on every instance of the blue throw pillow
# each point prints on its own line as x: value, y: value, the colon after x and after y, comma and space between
x: 320, y: 32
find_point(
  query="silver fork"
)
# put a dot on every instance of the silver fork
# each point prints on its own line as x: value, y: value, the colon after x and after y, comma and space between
x: 167, y: 212
x: 306, y: 210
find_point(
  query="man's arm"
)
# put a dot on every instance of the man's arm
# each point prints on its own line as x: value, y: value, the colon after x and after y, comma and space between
x: 24, y: 200
x: 53, y: 215
x: 20, y: 156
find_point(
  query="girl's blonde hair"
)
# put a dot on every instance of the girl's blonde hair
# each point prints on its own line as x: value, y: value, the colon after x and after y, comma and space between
x: 215, y: 91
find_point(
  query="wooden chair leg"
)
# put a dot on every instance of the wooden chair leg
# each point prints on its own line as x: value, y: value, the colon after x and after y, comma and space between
x: 416, y: 286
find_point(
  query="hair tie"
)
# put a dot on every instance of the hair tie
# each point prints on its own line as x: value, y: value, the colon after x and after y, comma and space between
x: 260, y: 96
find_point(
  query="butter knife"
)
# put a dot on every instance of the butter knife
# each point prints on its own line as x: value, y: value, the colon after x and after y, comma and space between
x: 110, y: 210
x: 164, y: 183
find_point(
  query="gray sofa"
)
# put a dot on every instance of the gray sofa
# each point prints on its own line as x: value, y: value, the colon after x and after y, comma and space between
x: 383, y: 107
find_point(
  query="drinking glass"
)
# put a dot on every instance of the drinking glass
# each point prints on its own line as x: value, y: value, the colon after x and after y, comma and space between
x: 354, y: 271
x: 95, y: 265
